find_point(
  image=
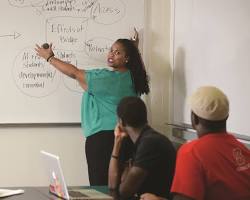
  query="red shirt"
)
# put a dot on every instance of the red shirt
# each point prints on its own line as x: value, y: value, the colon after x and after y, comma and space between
x: 213, y: 167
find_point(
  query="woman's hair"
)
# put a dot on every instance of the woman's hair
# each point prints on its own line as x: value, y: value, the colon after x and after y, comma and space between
x: 136, y: 66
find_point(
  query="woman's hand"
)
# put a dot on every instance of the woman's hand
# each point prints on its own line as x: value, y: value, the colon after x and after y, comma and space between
x: 135, y: 37
x: 44, y: 53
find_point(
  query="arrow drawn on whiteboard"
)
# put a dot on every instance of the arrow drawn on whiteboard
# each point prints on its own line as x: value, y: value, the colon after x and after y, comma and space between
x: 15, y: 35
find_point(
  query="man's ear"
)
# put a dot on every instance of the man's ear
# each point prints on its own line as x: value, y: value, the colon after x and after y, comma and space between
x: 194, y: 119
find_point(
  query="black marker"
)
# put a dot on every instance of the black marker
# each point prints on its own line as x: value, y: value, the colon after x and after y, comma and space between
x: 45, y: 46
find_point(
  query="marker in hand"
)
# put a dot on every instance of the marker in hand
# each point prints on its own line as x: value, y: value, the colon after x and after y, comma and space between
x: 45, y: 46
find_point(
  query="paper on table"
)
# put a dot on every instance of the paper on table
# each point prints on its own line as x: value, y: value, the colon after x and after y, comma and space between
x: 8, y: 192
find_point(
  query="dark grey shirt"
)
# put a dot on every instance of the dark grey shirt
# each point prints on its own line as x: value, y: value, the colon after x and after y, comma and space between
x: 155, y: 153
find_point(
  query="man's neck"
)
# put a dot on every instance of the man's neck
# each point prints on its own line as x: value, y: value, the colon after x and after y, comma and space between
x: 207, y: 131
x: 134, y: 133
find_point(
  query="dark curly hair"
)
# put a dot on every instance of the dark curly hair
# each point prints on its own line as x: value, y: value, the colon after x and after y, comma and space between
x: 136, y: 66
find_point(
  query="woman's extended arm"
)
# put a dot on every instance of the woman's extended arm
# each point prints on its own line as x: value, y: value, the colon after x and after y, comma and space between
x: 66, y: 68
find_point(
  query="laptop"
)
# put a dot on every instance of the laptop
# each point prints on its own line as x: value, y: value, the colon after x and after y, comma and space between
x: 58, y: 187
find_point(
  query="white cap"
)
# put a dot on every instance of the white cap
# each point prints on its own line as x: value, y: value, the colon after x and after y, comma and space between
x: 210, y: 103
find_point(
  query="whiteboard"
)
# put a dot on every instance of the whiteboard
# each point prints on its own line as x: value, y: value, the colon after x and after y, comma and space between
x: 211, y: 46
x: 82, y: 31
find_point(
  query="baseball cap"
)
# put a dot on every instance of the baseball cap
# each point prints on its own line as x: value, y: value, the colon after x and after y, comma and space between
x: 210, y: 103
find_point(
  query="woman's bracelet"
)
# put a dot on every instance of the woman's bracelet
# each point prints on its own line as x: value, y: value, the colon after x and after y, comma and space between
x: 50, y: 57
x: 115, y: 157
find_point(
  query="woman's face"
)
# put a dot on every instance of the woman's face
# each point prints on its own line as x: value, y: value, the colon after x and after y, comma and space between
x: 117, y: 57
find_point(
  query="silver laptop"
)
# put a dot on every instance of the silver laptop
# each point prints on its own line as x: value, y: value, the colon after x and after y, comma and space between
x: 58, y: 185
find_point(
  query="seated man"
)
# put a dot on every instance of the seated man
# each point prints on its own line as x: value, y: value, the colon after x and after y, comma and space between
x: 216, y: 166
x: 152, y: 166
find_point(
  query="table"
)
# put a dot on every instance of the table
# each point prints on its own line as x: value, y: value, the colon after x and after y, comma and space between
x: 42, y: 193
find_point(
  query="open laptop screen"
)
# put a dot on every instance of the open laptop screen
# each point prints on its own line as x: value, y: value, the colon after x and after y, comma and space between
x: 57, y: 184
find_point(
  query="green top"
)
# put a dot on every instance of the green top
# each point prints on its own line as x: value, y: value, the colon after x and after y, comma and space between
x: 105, y: 90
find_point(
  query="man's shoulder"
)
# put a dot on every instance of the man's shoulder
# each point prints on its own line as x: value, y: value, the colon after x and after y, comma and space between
x: 152, y: 134
x: 201, y: 145
x: 189, y: 146
x: 153, y: 138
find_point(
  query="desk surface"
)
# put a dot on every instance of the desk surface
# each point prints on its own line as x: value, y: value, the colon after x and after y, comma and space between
x: 29, y: 193
x: 42, y: 193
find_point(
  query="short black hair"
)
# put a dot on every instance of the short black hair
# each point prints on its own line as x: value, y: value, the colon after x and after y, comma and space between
x: 132, y: 111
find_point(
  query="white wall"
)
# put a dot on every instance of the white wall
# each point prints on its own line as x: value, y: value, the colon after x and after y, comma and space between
x: 158, y: 62
x: 21, y: 163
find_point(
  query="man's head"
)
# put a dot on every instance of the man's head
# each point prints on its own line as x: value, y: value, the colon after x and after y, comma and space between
x: 210, y: 109
x: 132, y: 112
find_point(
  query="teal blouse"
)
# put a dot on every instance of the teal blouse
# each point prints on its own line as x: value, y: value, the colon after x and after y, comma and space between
x: 105, y: 90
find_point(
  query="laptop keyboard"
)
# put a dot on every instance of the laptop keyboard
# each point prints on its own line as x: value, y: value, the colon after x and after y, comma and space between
x: 76, y: 194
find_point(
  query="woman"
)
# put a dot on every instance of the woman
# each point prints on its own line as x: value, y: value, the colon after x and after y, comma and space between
x: 103, y: 90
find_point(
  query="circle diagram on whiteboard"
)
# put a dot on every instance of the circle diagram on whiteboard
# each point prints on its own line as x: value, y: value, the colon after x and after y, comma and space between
x: 33, y: 75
